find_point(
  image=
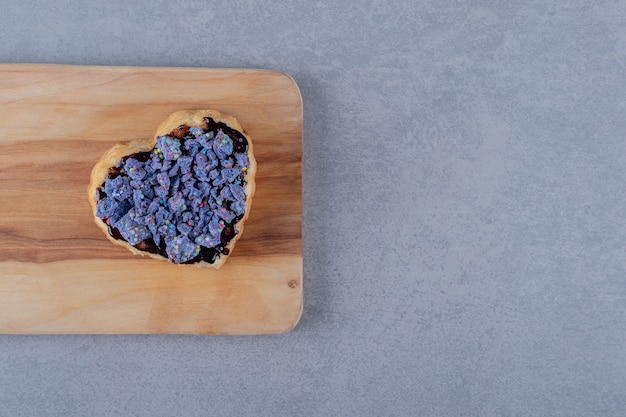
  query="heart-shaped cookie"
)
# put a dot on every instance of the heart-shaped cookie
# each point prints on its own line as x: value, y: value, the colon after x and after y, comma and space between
x: 181, y: 196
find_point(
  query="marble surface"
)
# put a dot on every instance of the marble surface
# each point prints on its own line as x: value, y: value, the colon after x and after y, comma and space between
x: 464, y: 212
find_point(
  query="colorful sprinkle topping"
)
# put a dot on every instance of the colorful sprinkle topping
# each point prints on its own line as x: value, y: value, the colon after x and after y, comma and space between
x: 178, y: 198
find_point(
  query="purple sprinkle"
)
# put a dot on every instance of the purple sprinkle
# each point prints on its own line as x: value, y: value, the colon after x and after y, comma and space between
x: 138, y: 199
x: 169, y: 147
x: 239, y: 207
x: 167, y: 230
x: 206, y: 139
x: 229, y: 174
x: 201, y: 174
x: 161, y: 216
x: 226, y: 194
x: 120, y: 211
x: 196, y: 131
x: 165, y: 166
x: 105, y: 208
x: 174, y: 184
x: 216, y: 226
x: 174, y: 170
x: 208, y: 240
x: 213, y: 161
x: 132, y: 231
x: 177, y: 203
x: 184, y: 228
x: 148, y: 168
x: 156, y: 164
x: 237, y: 192
x: 147, y: 191
x: 192, y: 193
x: 118, y: 188
x: 180, y: 249
x: 201, y: 161
x: 222, y: 146
x: 216, y: 178
x: 186, y: 178
x: 163, y: 180
x: 150, y: 221
x: 224, y: 214
x: 227, y: 163
x: 242, y: 159
x: 134, y: 169
x: 204, y: 188
x: 161, y: 192
x: 184, y: 163
x: 192, y: 145
x: 139, y: 218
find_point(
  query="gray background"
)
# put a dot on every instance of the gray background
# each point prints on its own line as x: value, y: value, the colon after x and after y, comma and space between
x: 464, y: 212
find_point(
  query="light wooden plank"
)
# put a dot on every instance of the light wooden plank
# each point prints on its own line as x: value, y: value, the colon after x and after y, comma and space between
x: 59, y: 274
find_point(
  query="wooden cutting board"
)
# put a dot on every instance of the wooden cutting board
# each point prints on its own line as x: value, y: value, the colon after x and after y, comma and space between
x: 59, y: 273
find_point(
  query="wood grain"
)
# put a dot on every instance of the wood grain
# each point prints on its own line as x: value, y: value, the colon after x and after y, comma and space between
x: 59, y: 273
